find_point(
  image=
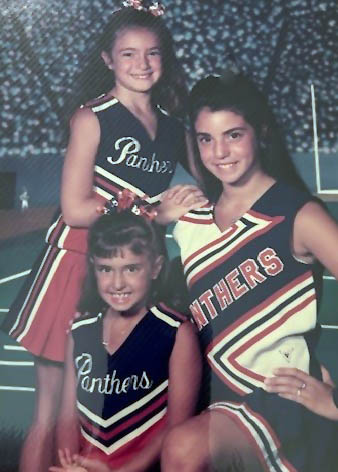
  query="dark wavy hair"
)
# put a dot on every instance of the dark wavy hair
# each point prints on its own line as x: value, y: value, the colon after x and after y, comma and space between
x: 169, y: 92
x: 236, y: 93
x: 106, y: 236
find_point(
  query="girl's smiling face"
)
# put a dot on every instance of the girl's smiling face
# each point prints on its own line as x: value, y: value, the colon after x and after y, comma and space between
x: 135, y: 59
x: 124, y: 280
x: 227, y: 145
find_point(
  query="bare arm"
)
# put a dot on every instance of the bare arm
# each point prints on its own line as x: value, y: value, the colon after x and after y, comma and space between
x: 78, y: 201
x: 316, y: 234
x: 68, y: 428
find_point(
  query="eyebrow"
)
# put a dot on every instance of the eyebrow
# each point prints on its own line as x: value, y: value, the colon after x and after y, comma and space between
x: 236, y: 128
x: 154, y: 48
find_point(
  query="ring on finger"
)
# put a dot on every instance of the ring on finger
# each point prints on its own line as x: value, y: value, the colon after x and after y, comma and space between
x: 303, y: 386
x: 299, y: 392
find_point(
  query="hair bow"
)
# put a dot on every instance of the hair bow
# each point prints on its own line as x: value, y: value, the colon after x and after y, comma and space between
x: 156, y: 8
x: 127, y: 200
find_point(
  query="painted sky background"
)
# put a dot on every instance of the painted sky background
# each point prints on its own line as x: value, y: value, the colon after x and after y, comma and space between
x: 283, y: 45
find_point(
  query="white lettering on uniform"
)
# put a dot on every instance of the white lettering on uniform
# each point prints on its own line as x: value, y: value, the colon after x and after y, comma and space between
x: 129, y: 148
x: 110, y: 383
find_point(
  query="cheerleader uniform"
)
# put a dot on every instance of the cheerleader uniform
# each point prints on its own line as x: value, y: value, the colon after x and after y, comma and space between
x: 255, y: 308
x: 127, y: 158
x: 122, y: 397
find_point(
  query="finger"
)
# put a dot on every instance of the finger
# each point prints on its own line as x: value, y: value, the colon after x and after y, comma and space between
x: 290, y: 396
x: 290, y: 388
x: 62, y: 458
x: 191, y: 199
x: 326, y: 376
x: 56, y: 469
x: 302, y: 377
x: 68, y: 456
x: 291, y: 371
x: 284, y: 384
x: 284, y: 380
x: 187, y: 197
x: 171, y: 192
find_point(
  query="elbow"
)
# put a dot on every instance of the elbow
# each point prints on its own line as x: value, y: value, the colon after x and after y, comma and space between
x: 71, y: 218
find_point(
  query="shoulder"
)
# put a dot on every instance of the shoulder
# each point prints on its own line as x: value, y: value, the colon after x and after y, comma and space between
x: 193, y: 226
x: 83, y: 118
x: 85, y: 320
x: 200, y: 216
x: 312, y: 214
x: 102, y: 103
x: 168, y: 315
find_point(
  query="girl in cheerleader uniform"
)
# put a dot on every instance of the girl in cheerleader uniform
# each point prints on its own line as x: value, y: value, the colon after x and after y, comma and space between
x: 123, y: 140
x: 249, y: 261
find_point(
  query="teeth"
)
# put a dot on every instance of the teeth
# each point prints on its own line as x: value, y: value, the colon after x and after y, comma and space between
x: 142, y: 76
x: 120, y: 295
x: 226, y: 166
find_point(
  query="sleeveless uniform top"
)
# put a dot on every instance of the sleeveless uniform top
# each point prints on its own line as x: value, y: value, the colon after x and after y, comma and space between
x: 122, y: 398
x: 252, y: 301
x: 126, y: 158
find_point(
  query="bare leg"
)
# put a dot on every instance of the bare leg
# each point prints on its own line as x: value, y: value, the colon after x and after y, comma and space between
x: 37, y: 452
x: 208, y: 442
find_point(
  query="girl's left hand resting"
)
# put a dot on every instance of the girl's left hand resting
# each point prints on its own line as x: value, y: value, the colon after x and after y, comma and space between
x: 177, y: 201
x: 296, y: 385
x: 69, y: 463
x: 77, y: 463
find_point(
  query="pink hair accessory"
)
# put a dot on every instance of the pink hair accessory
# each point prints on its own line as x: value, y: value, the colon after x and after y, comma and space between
x: 156, y: 8
x: 137, y: 4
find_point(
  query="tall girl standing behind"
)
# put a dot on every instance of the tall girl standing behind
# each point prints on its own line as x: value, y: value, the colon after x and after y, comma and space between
x: 121, y: 140
x: 133, y: 365
x: 249, y: 259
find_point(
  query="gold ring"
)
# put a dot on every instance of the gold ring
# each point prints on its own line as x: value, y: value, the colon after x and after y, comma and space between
x: 299, y: 391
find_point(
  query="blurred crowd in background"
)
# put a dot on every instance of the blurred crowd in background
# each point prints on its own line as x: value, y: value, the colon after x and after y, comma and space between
x: 285, y: 46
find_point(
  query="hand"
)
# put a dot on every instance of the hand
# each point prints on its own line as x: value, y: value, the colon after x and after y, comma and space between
x: 91, y: 465
x: 179, y: 200
x: 68, y: 463
x: 296, y: 385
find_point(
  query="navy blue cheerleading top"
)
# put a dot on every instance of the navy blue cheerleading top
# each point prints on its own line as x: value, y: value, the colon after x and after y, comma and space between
x: 127, y: 158
x: 122, y: 398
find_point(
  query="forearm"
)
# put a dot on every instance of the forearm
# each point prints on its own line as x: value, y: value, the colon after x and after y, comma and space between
x: 68, y: 435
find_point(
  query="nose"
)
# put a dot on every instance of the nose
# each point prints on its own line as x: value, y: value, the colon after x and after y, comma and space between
x: 221, y: 149
x: 117, y: 281
x: 143, y: 62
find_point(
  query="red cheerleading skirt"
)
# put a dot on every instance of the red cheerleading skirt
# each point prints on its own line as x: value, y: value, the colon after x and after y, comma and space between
x: 40, y: 316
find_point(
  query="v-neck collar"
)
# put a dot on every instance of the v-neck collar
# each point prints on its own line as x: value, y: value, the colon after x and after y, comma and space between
x: 247, y: 212
x: 141, y: 125
x: 121, y: 346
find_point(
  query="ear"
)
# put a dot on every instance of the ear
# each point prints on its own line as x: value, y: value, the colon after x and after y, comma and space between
x: 107, y: 60
x: 157, y: 266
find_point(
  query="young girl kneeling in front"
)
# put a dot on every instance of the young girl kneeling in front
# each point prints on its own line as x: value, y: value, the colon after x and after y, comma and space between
x: 133, y: 366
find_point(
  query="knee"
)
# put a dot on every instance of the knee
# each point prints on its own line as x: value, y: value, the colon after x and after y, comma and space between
x: 180, y: 450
